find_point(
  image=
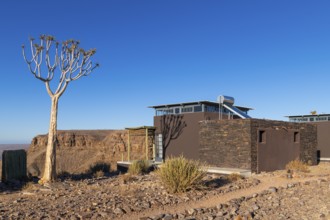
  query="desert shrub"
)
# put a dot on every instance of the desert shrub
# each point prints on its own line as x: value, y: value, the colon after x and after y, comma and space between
x: 179, y: 174
x: 99, y: 174
x: 297, y: 166
x: 234, y: 177
x: 139, y: 167
x: 126, y: 178
x: 104, y: 167
x: 33, y: 170
x: 28, y: 186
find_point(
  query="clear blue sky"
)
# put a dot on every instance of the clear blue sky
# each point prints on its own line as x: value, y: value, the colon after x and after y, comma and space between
x: 271, y: 55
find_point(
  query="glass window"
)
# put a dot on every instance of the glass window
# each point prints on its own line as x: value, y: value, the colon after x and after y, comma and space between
x: 187, y: 109
x: 321, y: 118
x: 177, y: 110
x: 197, y: 108
x: 211, y: 109
x: 302, y: 119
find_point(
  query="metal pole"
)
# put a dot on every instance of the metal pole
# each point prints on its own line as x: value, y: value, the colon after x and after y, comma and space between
x: 129, y: 147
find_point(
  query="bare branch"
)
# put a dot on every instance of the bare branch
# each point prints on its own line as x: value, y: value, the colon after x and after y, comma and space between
x: 72, y: 61
x: 48, y: 89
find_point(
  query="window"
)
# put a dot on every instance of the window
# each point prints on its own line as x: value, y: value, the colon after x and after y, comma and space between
x: 321, y: 118
x: 197, y: 108
x: 187, y: 109
x: 177, y: 110
x: 262, y: 136
x: 296, y: 137
x: 311, y: 119
x: 211, y: 109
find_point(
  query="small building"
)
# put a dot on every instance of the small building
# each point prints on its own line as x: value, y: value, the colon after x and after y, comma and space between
x: 256, y: 145
x: 323, y: 130
x: 177, y: 125
x: 224, y: 135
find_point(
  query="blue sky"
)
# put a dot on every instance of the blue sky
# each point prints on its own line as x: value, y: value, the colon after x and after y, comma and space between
x: 271, y: 55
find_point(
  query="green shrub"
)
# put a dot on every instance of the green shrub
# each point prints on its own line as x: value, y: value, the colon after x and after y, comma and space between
x: 139, y: 167
x: 297, y: 166
x: 180, y: 174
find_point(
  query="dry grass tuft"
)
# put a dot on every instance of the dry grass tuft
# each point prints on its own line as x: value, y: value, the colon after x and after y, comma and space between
x: 297, y: 166
x: 28, y: 186
x: 233, y: 177
x: 179, y: 174
x: 139, y: 167
x: 99, y: 174
x: 99, y: 168
x: 126, y: 178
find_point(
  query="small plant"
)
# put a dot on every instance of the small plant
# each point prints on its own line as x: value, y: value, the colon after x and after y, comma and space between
x: 99, y: 169
x: 233, y: 177
x: 180, y: 174
x: 126, y: 178
x: 139, y: 167
x: 297, y: 166
x: 99, y: 174
x: 28, y: 186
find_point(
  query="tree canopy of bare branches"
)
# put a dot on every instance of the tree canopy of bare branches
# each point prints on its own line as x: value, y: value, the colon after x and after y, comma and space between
x: 66, y: 62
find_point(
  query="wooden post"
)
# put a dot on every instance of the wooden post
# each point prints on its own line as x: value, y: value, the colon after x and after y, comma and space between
x: 154, y: 151
x: 147, y: 150
x: 128, y: 147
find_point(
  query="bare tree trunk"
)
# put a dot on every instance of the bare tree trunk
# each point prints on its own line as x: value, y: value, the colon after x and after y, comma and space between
x: 50, y: 161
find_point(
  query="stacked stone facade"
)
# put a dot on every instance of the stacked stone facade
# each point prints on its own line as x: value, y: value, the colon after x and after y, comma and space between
x: 234, y: 143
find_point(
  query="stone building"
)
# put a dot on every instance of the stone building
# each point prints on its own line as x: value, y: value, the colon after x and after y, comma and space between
x: 322, y: 121
x: 256, y: 145
x: 224, y: 135
x: 177, y: 125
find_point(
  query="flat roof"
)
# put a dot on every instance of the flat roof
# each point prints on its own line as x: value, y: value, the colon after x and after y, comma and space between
x: 142, y: 127
x: 302, y: 116
x: 193, y: 103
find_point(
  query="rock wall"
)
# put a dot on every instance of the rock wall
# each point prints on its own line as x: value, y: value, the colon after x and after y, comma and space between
x: 234, y: 143
x: 226, y: 143
x: 307, y: 133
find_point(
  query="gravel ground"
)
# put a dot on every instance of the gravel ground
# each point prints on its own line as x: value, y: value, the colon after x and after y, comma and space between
x: 262, y: 196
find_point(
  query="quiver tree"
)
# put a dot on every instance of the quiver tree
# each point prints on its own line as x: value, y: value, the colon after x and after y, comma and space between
x: 64, y: 62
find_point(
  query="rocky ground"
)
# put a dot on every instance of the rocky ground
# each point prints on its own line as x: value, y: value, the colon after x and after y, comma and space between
x: 262, y: 196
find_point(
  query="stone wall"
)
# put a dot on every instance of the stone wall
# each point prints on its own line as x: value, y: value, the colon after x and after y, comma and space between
x: 226, y: 143
x: 234, y: 143
x: 308, y: 138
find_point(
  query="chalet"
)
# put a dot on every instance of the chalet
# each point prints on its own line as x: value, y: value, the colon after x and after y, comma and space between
x: 224, y: 135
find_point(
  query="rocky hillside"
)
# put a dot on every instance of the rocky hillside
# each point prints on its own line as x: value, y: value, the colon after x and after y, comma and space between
x: 78, y: 150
